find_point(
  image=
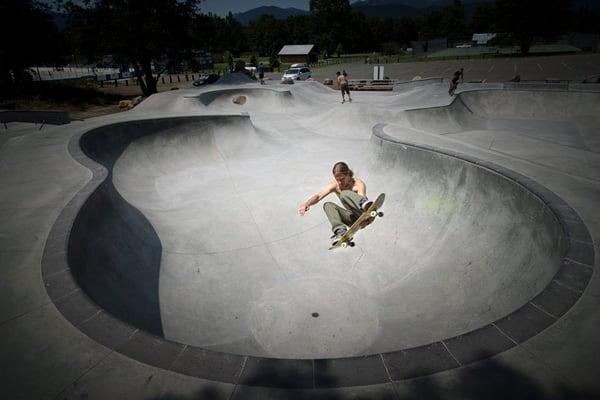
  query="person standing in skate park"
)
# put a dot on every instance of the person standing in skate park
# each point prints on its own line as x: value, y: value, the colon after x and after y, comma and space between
x: 342, y: 80
x: 454, y: 84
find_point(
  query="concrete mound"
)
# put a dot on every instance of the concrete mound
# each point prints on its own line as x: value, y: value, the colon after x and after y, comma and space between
x: 254, y: 99
x: 234, y: 78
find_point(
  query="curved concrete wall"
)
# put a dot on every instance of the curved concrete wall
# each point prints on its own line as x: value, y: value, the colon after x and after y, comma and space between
x: 460, y: 246
x: 114, y: 253
x: 255, y: 99
x: 510, y: 110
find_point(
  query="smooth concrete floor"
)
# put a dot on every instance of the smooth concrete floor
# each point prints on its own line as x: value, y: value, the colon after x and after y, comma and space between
x: 44, y: 356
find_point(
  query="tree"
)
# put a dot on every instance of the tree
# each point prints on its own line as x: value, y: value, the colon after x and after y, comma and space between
x: 29, y: 37
x: 274, y: 62
x: 390, y: 48
x: 298, y: 28
x: 141, y: 33
x: 329, y: 22
x: 447, y: 22
x: 339, y: 50
x: 358, y: 38
x: 453, y: 21
x: 525, y: 20
x: 266, y: 34
x: 585, y: 20
x: 484, y: 19
x: 232, y: 35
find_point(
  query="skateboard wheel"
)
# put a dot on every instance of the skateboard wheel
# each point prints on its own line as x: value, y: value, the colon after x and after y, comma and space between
x: 380, y: 213
x: 351, y: 244
x: 344, y: 245
x: 373, y: 214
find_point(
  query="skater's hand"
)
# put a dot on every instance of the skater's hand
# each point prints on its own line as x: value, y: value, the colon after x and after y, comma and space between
x: 303, y: 209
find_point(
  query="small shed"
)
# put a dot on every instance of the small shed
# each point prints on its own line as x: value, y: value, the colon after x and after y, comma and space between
x: 298, y: 53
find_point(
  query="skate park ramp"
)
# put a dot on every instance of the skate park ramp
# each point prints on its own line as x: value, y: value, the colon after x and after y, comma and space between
x: 264, y: 99
x: 251, y: 99
x: 556, y: 118
x: 209, y: 203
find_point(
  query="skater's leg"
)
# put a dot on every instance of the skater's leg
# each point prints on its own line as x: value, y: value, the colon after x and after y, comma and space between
x: 338, y: 217
x: 353, y: 201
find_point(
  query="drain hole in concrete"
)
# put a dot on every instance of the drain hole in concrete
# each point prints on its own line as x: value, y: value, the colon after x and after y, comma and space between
x: 315, y: 315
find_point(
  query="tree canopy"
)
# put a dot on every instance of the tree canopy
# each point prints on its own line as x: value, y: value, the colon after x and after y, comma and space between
x: 29, y: 37
x: 139, y: 33
x: 151, y: 35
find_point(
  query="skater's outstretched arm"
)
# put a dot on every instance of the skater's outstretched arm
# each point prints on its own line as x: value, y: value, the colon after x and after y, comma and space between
x: 315, y: 198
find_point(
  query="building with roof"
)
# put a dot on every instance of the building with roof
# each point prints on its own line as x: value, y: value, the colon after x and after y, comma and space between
x: 483, y: 38
x: 298, y: 53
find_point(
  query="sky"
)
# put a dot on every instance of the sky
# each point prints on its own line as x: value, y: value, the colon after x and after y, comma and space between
x: 222, y: 7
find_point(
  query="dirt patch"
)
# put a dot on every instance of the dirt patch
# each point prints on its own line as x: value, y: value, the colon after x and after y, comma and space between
x: 240, y: 100
x: 82, y: 99
x: 77, y: 111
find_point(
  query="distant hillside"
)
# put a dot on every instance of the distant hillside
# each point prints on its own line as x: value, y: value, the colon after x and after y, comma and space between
x: 411, y: 4
x: 410, y: 8
x: 59, y: 19
x: 593, y: 5
x: 387, y: 8
x: 280, y: 13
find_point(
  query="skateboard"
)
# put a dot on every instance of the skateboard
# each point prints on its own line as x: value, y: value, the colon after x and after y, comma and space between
x: 366, y: 218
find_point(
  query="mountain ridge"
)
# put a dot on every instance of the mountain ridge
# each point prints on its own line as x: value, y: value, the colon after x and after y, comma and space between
x: 280, y: 13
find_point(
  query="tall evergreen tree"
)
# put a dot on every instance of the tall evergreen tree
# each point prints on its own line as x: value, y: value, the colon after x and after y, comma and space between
x: 527, y: 19
x: 330, y: 22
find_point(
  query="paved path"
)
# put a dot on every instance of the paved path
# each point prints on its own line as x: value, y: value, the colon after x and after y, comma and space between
x: 573, y: 68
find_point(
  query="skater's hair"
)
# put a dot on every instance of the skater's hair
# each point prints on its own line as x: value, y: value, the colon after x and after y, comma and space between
x: 337, y: 73
x: 344, y: 73
x: 342, y: 168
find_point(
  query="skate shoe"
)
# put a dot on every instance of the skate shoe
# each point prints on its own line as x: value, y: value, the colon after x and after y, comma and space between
x: 337, y: 235
x: 365, y: 204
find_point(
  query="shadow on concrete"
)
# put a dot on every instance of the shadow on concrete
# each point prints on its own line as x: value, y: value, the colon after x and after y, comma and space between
x: 208, y: 393
x: 491, y: 380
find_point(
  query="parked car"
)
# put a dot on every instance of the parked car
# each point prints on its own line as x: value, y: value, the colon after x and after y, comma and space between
x: 204, y: 79
x: 296, y: 74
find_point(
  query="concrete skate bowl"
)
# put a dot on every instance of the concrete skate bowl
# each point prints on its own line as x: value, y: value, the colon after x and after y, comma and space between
x: 173, y: 238
x: 550, y: 118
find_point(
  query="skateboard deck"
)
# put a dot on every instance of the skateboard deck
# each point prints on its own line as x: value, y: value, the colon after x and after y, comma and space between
x: 365, y: 219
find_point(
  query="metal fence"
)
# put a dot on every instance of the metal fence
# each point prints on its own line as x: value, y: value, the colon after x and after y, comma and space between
x: 65, y: 73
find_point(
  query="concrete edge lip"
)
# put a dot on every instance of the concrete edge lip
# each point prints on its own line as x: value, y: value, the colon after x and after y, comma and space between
x: 551, y: 304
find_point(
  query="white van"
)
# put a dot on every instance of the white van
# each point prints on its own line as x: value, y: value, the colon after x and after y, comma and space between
x: 296, y: 74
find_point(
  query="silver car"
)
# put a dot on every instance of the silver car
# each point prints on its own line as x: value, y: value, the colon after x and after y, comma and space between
x: 296, y: 74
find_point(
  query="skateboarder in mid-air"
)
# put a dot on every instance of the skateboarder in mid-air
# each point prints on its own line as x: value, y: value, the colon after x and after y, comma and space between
x: 351, y: 191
